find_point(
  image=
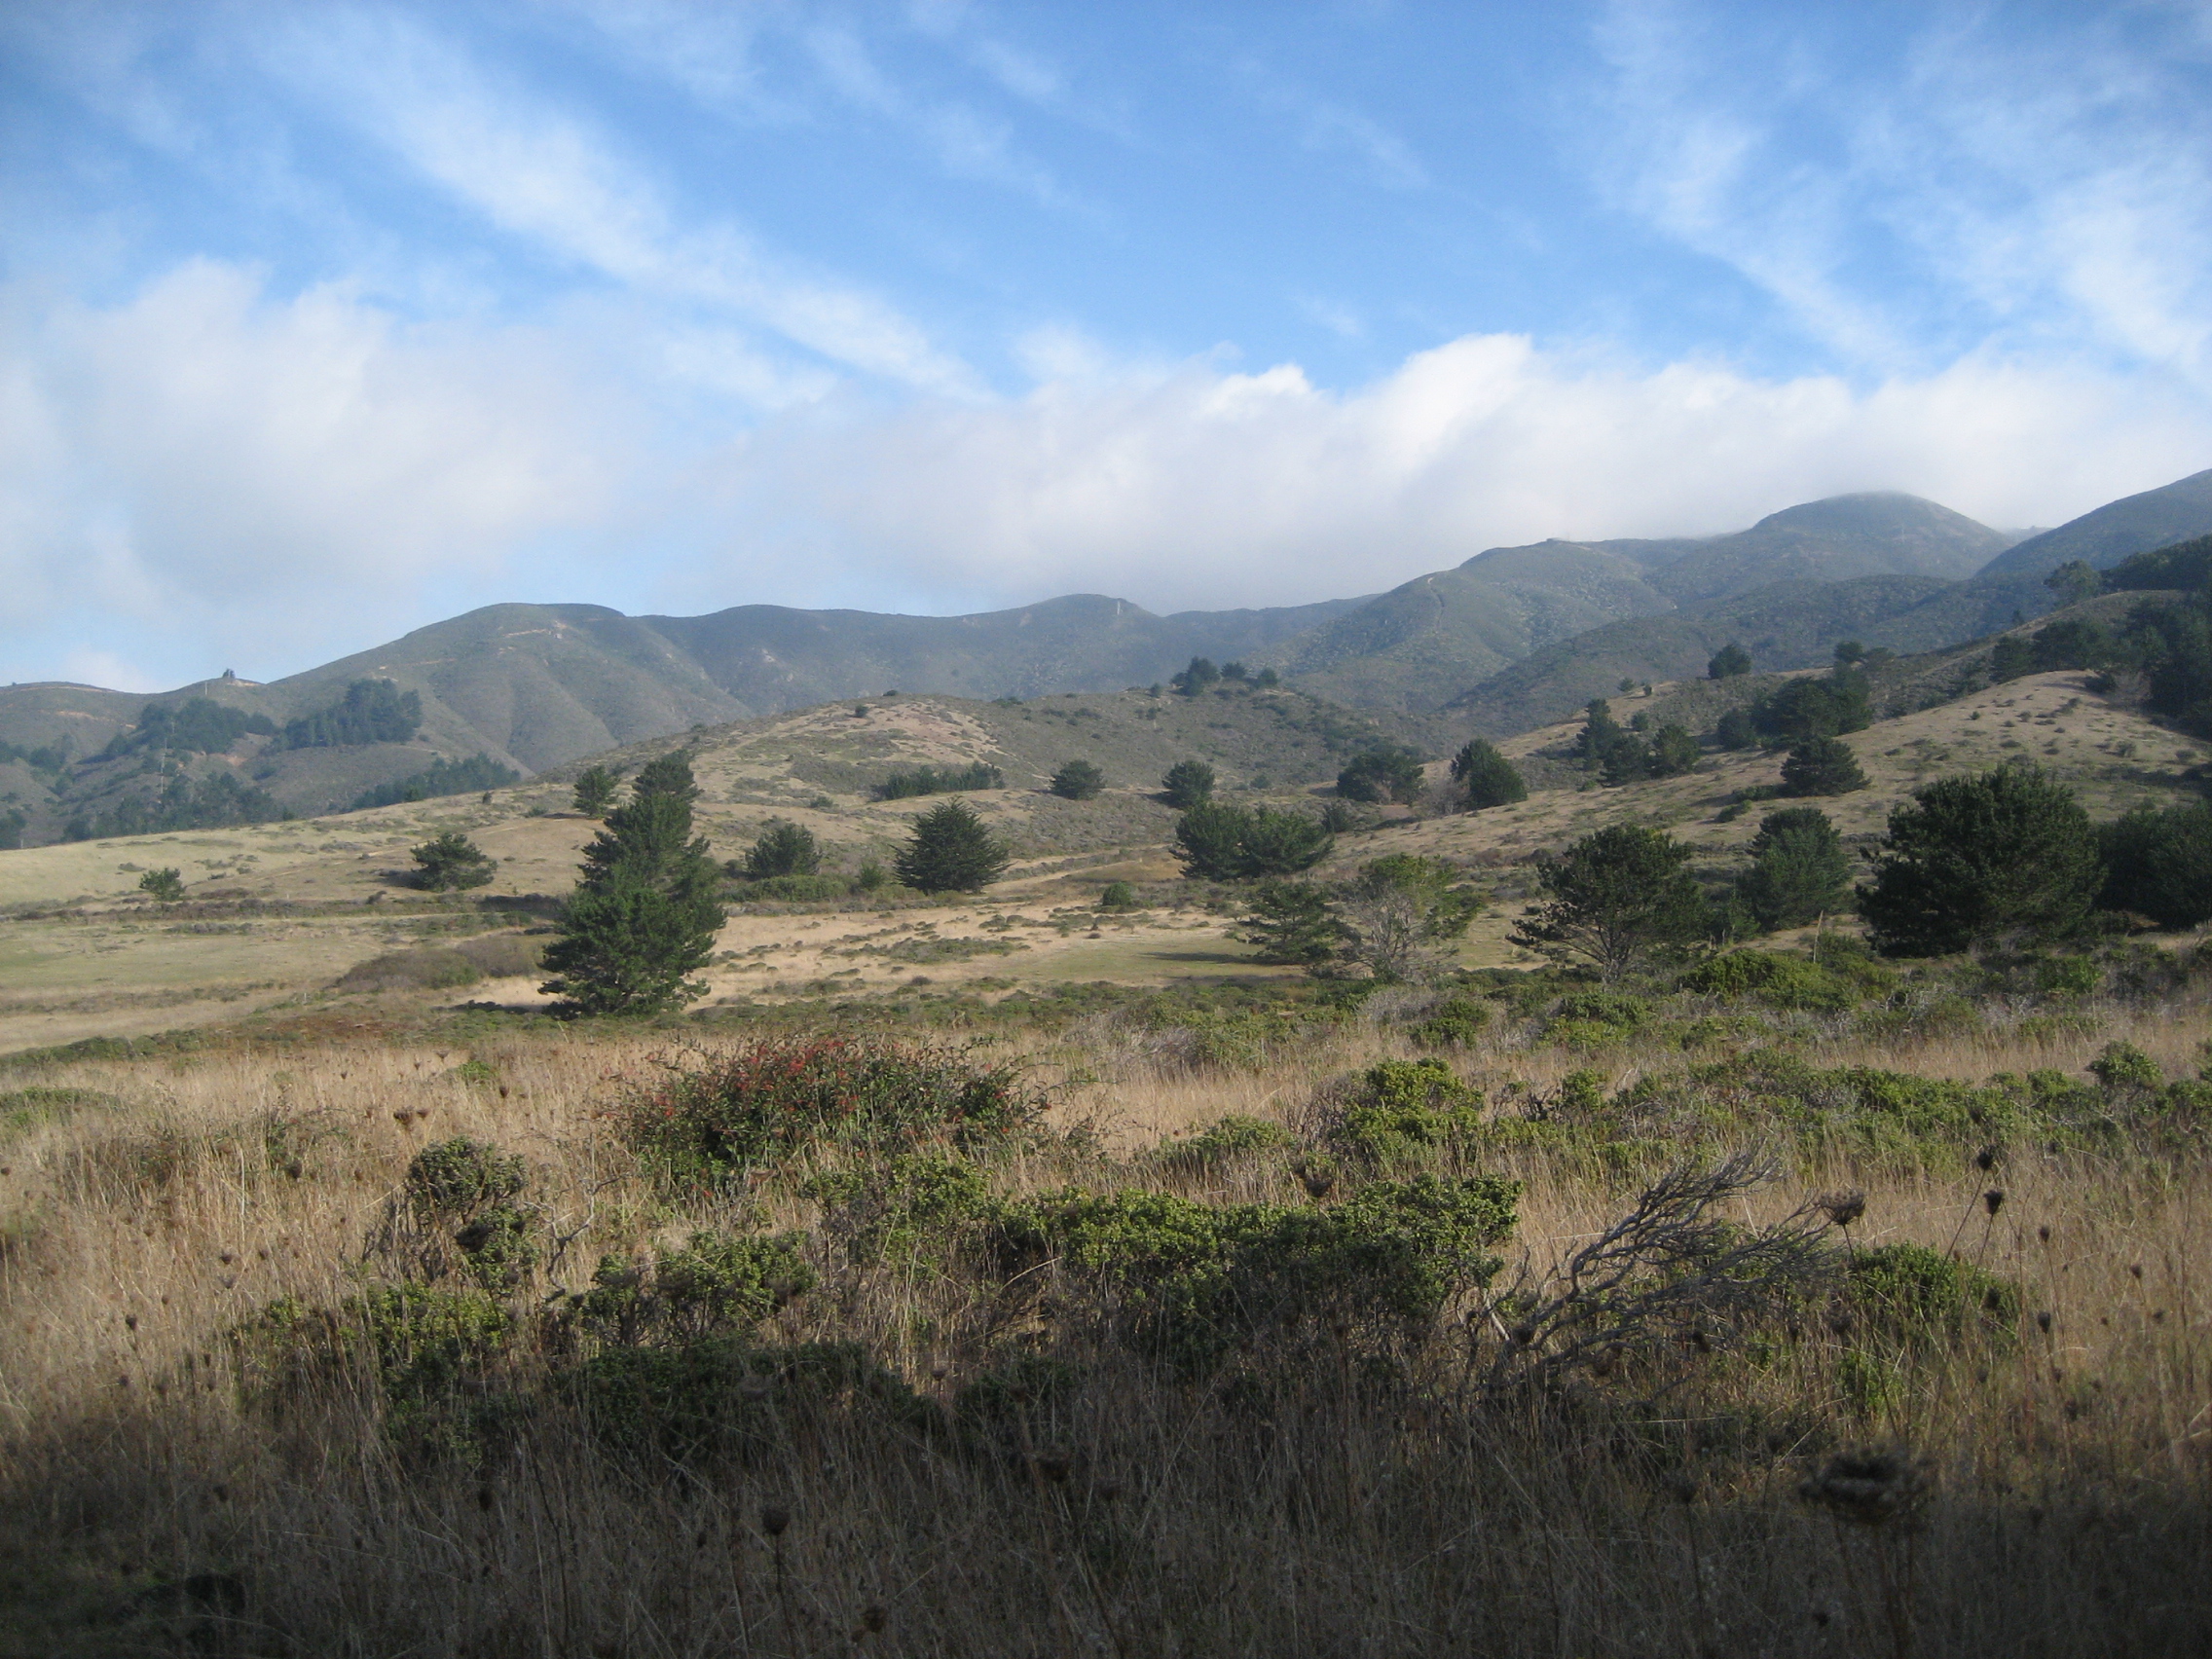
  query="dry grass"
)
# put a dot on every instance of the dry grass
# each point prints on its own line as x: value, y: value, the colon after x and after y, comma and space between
x: 151, y: 1507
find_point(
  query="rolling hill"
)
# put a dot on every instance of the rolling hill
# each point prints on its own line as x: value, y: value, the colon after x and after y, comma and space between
x: 2133, y: 524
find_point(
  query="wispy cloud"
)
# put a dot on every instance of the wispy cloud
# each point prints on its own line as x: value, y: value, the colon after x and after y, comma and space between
x: 1327, y: 126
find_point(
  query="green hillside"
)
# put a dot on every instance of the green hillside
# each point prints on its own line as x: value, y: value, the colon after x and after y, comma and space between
x: 2133, y: 524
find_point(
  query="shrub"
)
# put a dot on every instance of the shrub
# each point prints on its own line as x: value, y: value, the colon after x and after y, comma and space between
x: 951, y: 852
x: 1780, y: 981
x: 2122, y: 1066
x: 1911, y: 1293
x: 1222, y: 1140
x: 1821, y: 766
x: 441, y: 777
x: 451, y: 860
x: 801, y: 889
x: 1195, y: 1281
x: 1404, y: 1108
x: 1974, y: 858
x: 778, y: 1096
x: 457, y: 1178
x: 905, y: 1208
x: 1188, y: 783
x: 718, y: 1284
x: 163, y: 886
x: 723, y: 1396
x: 1117, y: 896
x: 1452, y: 1023
x: 1078, y: 780
x: 927, y: 781
x: 1730, y: 660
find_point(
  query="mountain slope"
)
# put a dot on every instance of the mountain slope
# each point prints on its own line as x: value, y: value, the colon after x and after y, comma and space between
x: 2133, y: 524
x: 1839, y: 540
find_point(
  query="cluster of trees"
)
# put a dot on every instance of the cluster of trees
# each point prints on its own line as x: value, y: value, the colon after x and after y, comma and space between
x: 1485, y: 777
x: 48, y: 757
x: 12, y: 826
x: 198, y: 725
x: 1385, y: 772
x: 1220, y: 841
x: 1621, y: 756
x: 1839, y: 702
x: 372, y: 710
x: 216, y: 802
x: 1203, y: 674
x: 949, y: 779
x: 1967, y: 863
x: 442, y: 776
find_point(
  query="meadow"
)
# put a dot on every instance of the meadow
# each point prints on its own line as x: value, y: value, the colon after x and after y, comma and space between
x: 1859, y: 1312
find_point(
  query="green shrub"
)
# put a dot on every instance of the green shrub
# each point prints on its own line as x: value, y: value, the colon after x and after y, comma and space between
x: 1603, y: 1007
x: 1117, y: 896
x: 905, y: 1208
x: 782, y: 849
x: 1911, y: 1293
x: 457, y: 1178
x: 1402, y: 1108
x: 778, y: 1096
x: 1767, y: 977
x: 1224, y: 1139
x: 718, y: 1284
x: 1189, y: 1282
x: 2122, y: 1066
x: 427, y: 1345
x: 799, y: 889
x: 451, y: 860
x: 1452, y: 1023
x: 720, y: 1397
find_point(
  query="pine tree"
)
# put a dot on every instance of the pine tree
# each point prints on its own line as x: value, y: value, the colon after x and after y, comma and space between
x: 644, y: 915
x: 951, y: 852
x: 1291, y: 923
x: 1187, y: 783
x: 783, y: 849
x: 1821, y: 766
x: 1730, y: 660
x: 1799, y: 870
x: 451, y: 860
x: 1078, y: 780
x: 1975, y: 859
x: 1613, y: 899
x: 595, y: 789
x: 1489, y: 778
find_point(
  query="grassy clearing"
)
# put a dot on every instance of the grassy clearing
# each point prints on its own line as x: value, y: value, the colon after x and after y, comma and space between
x: 877, y: 1377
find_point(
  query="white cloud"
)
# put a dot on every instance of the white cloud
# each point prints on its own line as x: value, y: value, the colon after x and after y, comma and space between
x: 1203, y: 488
x: 273, y: 479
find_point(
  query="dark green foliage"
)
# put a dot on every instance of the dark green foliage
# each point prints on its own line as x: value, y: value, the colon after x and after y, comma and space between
x: 803, y: 889
x: 1291, y: 923
x: 929, y: 780
x: 1976, y: 858
x: 1600, y: 734
x: 218, y: 801
x: 1398, y: 907
x: 2122, y: 1066
x: 1266, y: 680
x: 1188, y: 783
x: 2072, y: 644
x: 163, y: 886
x: 1078, y: 780
x: 1910, y: 1293
x: 718, y: 1284
x: 1801, y: 709
x: 455, y: 1179
x: 1197, y: 678
x: 372, y: 710
x: 950, y: 852
x: 1452, y: 1023
x: 451, y: 862
x: 776, y: 1097
x: 442, y: 776
x: 1487, y: 777
x: 1614, y: 898
x: 1821, y: 766
x: 51, y: 757
x: 783, y: 849
x: 2185, y: 566
x: 644, y: 915
x: 2159, y: 864
x: 1117, y: 896
x: 1736, y: 730
x: 1673, y: 751
x: 1218, y: 841
x: 12, y: 824
x: 1224, y: 1141
x: 1382, y: 774
x: 1799, y: 870
x: 1404, y: 1109
x: 1730, y: 660
x: 595, y: 789
x: 1193, y: 1282
x: 199, y: 725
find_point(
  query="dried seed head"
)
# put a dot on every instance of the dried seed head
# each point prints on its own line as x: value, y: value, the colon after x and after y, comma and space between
x: 1842, y: 1208
x: 1993, y: 1201
x: 1985, y: 1160
x: 1108, y: 1489
x: 774, y: 1518
x: 2043, y: 1234
x: 2135, y: 1270
x: 1869, y: 1489
x: 2042, y: 1321
x: 1054, y: 1468
x: 874, y: 1618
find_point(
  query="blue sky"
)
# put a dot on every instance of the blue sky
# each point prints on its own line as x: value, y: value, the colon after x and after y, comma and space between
x: 318, y: 323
